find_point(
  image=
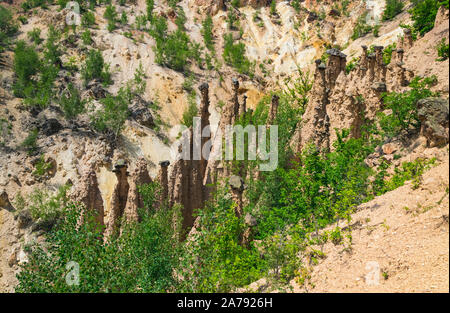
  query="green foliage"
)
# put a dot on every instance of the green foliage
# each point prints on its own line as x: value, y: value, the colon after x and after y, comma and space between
x: 387, y: 53
x: 35, y: 36
x: 404, y: 107
x: 5, y: 130
x: 86, y: 37
x: 392, y: 9
x: 142, y: 259
x: 351, y: 65
x: 361, y: 28
x: 46, y: 206
x: 30, y: 142
x: 172, y: 49
x: 7, y: 27
x: 191, y: 111
x: 71, y: 102
x: 443, y: 50
x: 150, y: 8
x: 114, y: 112
x: 87, y: 19
x: 95, y: 68
x: 424, y: 14
x: 214, y: 260
x: 207, y: 33
x: 31, y: 4
x: 407, y: 171
x: 42, y: 167
x: 26, y: 65
x: 234, y: 55
x: 111, y: 16
x: 273, y: 7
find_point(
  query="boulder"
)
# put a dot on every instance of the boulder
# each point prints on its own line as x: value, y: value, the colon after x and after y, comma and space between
x: 434, y: 116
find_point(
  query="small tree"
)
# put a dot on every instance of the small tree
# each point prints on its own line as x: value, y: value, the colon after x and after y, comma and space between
x: 96, y: 68
x: 392, y: 9
x: 71, y: 102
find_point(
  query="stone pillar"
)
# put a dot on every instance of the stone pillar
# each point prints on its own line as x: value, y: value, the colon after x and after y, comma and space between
x: 164, y: 181
x: 204, y: 89
x: 408, y: 40
x: 119, y: 198
x: 237, y: 189
x: 273, y: 110
x: 235, y: 100
x: 243, y: 107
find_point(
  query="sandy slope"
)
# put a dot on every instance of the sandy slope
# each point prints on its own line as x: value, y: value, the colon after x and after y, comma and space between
x: 400, y: 242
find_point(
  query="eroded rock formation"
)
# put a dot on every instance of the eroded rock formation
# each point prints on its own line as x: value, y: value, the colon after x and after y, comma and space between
x: 139, y: 176
x: 342, y: 101
x: 88, y: 193
x: 119, y: 198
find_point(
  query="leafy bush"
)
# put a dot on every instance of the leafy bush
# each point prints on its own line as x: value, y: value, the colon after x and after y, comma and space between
x: 142, y: 259
x: 71, y: 102
x: 7, y: 27
x: 111, y: 16
x: 26, y: 65
x: 30, y: 143
x: 86, y: 37
x: 172, y: 49
x: 361, y: 28
x: 113, y: 114
x: 404, y: 107
x: 31, y: 4
x: 207, y: 33
x: 88, y: 19
x: 234, y: 55
x: 95, y: 68
x: 42, y: 167
x: 35, y: 36
x: 46, y: 206
x: 273, y: 7
x: 424, y: 14
x: 443, y: 50
x: 150, y: 8
x: 190, y: 113
x: 392, y: 9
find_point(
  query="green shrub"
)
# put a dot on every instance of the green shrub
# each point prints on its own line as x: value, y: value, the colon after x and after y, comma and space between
x: 392, y: 9
x: 207, y: 33
x: 234, y: 55
x: 443, y: 50
x: 111, y: 16
x: 95, y: 68
x: 7, y: 27
x: 34, y: 36
x: 172, y: 49
x: 87, y: 19
x: 150, y: 8
x: 361, y: 28
x: 41, y: 167
x: 273, y: 7
x: 113, y: 113
x: 387, y: 53
x: 86, y: 37
x: 424, y: 14
x: 30, y: 142
x: 191, y: 111
x: 142, y: 259
x: 31, y: 4
x: 404, y: 107
x: 71, y: 102
x: 47, y: 207
x: 26, y: 65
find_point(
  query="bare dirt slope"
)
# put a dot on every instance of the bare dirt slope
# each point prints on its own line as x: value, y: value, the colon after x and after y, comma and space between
x: 400, y: 242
